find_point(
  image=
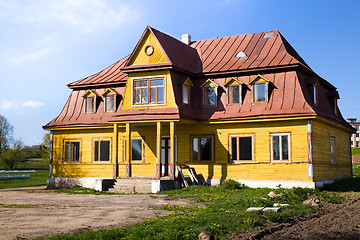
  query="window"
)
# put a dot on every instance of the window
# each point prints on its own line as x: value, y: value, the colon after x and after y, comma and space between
x: 234, y: 93
x: 136, y: 150
x: 315, y: 94
x: 89, y: 104
x: 280, y: 147
x: 202, y: 148
x: 241, y: 148
x: 148, y: 91
x: 72, y: 151
x: 332, y: 149
x: 209, y: 96
x: 259, y: 93
x: 102, y: 150
x: 110, y: 103
x: 186, y: 93
x: 357, y: 134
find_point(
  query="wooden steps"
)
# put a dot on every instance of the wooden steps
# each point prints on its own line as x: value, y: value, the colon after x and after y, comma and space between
x: 132, y: 185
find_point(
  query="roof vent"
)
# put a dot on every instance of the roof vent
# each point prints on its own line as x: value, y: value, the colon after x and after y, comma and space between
x: 186, y: 38
x: 240, y: 54
x: 268, y: 35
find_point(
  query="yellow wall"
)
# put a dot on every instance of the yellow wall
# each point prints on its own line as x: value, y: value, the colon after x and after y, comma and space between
x: 140, y: 57
x: 323, y: 169
x: 169, y: 93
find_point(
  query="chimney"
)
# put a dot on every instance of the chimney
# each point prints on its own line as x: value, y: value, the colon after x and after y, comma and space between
x: 186, y: 38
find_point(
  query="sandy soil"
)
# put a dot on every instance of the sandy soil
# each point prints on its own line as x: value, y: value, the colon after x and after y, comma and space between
x: 51, y: 213
x: 339, y: 221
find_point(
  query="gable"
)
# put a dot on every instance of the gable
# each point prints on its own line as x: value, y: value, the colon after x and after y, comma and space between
x: 188, y: 82
x: 232, y: 81
x: 258, y: 78
x: 209, y: 83
x: 148, y: 51
x: 89, y: 93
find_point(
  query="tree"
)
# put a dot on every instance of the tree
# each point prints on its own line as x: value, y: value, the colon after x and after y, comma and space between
x: 13, y: 155
x: 6, y: 133
x: 46, y: 144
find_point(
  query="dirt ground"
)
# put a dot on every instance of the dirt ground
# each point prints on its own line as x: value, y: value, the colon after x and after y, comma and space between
x: 339, y: 221
x: 27, y: 215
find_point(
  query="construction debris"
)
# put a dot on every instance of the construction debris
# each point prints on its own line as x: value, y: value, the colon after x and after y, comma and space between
x: 312, y: 202
x: 206, y: 236
x: 272, y: 194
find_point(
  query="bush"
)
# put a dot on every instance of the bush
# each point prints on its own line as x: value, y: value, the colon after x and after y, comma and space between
x: 231, y: 184
x: 13, y: 155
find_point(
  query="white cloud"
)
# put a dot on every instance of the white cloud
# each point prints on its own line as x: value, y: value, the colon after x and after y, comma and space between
x: 28, y: 57
x: 8, y: 104
x: 32, y: 104
x: 87, y: 15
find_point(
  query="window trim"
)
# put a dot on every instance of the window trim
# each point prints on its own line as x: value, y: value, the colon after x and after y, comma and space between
x: 158, y: 77
x: 188, y: 92
x: 205, y: 94
x: 93, y: 149
x: 237, y: 135
x: 316, y: 94
x: 228, y: 94
x: 63, y: 151
x: 333, y: 150
x: 142, y: 149
x: 212, y: 147
x: 253, y: 92
x: 280, y: 146
x: 94, y: 104
x: 105, y: 102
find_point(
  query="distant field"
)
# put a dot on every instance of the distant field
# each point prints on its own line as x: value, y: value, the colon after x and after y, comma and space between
x: 29, y: 164
x: 36, y: 179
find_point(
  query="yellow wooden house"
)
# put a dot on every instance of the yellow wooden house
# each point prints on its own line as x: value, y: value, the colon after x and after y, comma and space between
x: 243, y: 107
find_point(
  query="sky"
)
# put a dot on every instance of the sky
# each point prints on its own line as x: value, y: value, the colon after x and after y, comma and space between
x: 46, y: 44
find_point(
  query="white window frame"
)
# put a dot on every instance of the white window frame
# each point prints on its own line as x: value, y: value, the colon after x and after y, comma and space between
x: 188, y: 93
x: 149, y: 104
x: 266, y: 92
x: 105, y: 102
x: 280, y: 146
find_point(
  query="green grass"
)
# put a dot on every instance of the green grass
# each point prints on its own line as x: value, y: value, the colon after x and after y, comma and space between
x: 355, y: 150
x: 214, y: 209
x: 82, y: 190
x: 36, y: 179
x: 356, y: 170
x: 29, y: 164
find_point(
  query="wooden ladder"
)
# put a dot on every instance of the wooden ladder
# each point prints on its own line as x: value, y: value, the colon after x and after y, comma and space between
x: 192, y: 174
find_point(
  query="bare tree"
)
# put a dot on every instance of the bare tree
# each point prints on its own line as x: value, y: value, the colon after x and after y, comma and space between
x: 6, y: 133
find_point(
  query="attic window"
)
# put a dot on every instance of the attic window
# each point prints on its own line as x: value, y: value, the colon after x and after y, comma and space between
x: 186, y: 90
x: 89, y: 101
x: 240, y: 54
x: 268, y: 35
x: 260, y: 87
x: 209, y: 93
x: 233, y: 87
x: 110, y: 100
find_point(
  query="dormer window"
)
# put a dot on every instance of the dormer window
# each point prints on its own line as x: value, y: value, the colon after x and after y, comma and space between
x: 260, y: 87
x: 109, y: 97
x: 89, y: 101
x: 149, y: 91
x: 316, y: 92
x: 209, y: 93
x: 233, y: 87
x: 186, y: 90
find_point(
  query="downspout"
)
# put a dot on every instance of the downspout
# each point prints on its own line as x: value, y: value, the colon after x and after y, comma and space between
x: 310, y: 150
x: 51, y: 154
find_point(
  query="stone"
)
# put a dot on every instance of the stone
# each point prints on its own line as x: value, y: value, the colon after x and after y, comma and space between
x: 206, y: 236
x: 272, y: 209
x: 312, y: 202
x: 272, y: 194
x: 281, y: 205
x: 254, y: 209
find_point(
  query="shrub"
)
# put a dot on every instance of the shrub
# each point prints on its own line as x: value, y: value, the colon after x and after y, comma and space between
x: 231, y: 184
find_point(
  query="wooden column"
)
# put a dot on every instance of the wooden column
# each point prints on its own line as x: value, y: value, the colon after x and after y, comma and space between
x: 310, y: 149
x: 158, y: 150
x: 172, y: 150
x: 116, y: 148
x: 128, y: 151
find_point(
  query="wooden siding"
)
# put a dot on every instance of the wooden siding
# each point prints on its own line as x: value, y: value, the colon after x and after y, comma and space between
x: 140, y: 57
x: 169, y: 93
x: 323, y: 169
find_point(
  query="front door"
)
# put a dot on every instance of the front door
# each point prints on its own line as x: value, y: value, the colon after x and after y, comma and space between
x: 165, y: 156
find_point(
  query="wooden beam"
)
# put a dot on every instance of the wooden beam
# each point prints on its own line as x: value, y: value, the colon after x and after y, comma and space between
x: 158, y: 150
x: 115, y: 149
x: 128, y: 150
x: 172, y: 149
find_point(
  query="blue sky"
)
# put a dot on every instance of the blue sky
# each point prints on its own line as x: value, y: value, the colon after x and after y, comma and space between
x: 46, y: 44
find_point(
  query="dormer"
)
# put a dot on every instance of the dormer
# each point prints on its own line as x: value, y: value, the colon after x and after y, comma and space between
x: 110, y: 100
x: 259, y: 89
x: 316, y: 87
x: 90, y: 98
x: 209, y: 92
x: 233, y: 91
x: 186, y: 90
